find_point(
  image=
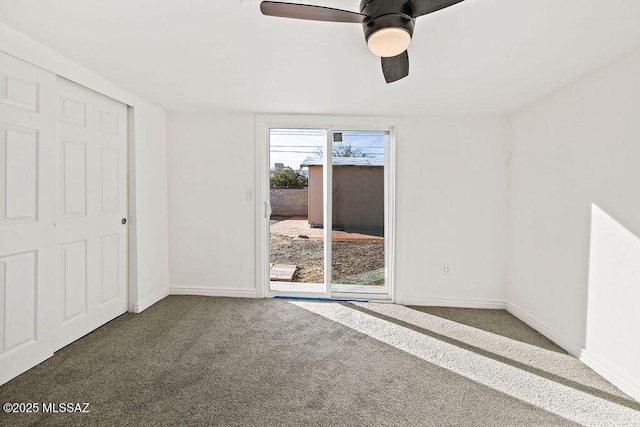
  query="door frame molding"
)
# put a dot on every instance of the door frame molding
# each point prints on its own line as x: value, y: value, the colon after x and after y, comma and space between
x: 263, y: 122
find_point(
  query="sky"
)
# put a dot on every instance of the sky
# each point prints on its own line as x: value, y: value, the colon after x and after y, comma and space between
x: 292, y: 146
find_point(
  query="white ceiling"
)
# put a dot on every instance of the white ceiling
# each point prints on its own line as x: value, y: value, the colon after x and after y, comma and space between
x: 478, y: 57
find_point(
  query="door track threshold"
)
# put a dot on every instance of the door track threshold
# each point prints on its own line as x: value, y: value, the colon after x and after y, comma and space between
x: 320, y: 299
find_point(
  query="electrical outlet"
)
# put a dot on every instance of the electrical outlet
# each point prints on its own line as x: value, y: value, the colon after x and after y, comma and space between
x: 249, y: 195
x: 447, y: 270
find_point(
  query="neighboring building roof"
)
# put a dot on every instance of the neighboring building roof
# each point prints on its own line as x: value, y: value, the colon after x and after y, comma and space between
x: 345, y: 161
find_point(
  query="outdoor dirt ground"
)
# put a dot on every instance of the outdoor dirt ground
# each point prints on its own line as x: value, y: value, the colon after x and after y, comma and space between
x: 349, y: 258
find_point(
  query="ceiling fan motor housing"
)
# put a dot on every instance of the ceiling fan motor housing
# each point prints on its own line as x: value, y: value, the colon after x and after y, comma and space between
x: 385, y: 14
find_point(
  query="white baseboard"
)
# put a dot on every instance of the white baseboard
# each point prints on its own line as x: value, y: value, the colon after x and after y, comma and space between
x: 571, y: 347
x: 148, y: 302
x: 452, y: 302
x: 611, y: 374
x: 213, y: 292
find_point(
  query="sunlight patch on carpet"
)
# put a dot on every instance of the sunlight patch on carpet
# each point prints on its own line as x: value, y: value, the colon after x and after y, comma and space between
x: 567, y: 402
x: 552, y: 362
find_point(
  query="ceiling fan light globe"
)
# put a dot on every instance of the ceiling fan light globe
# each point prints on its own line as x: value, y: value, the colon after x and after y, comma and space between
x: 388, y: 42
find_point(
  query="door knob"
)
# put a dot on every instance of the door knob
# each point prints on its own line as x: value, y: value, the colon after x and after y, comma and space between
x: 124, y: 221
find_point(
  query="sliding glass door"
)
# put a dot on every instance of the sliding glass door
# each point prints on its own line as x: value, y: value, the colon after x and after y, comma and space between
x: 296, y: 233
x: 358, y: 212
x: 327, y: 209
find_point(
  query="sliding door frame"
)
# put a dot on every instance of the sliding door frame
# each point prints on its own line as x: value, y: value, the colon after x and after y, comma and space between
x: 262, y: 212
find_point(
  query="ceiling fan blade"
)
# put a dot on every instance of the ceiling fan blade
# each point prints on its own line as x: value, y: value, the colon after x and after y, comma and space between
x: 395, y: 67
x: 310, y: 12
x: 423, y: 7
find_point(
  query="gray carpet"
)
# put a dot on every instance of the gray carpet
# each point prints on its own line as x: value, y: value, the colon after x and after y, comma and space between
x: 241, y: 362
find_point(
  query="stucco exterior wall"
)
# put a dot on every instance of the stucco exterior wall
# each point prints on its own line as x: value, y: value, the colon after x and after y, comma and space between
x: 358, y: 197
x: 315, y: 196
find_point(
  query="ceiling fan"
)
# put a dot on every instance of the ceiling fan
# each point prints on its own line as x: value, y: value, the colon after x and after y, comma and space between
x: 388, y: 25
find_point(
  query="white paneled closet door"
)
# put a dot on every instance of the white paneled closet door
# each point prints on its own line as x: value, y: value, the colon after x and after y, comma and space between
x: 90, y: 237
x: 27, y: 193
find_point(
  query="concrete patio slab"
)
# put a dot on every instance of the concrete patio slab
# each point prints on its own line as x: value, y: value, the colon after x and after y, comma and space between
x: 282, y: 272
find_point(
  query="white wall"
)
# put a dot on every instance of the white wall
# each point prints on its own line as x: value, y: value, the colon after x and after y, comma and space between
x: 572, y: 270
x: 451, y: 208
x: 149, y: 271
x: 211, y: 225
x: 151, y: 207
